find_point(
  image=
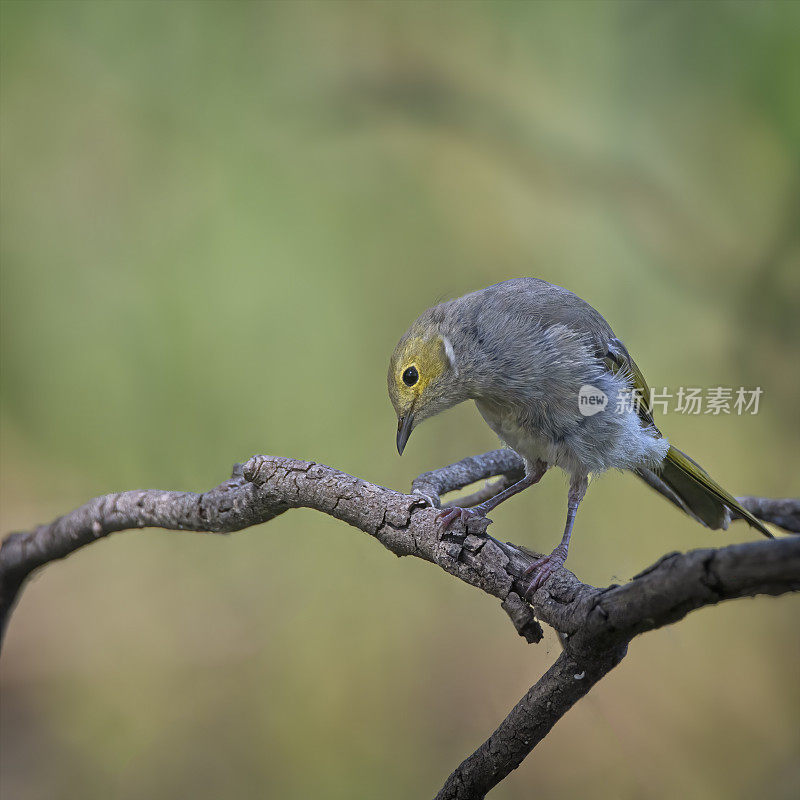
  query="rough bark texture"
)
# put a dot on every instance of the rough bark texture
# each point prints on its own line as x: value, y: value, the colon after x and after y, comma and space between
x: 594, y: 625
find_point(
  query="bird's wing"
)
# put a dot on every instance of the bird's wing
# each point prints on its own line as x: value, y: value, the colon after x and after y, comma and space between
x: 618, y: 359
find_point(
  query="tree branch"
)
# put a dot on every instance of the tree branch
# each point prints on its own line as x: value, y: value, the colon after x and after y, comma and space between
x: 566, y: 682
x: 595, y: 625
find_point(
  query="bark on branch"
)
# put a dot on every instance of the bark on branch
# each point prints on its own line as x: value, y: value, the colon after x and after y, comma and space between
x: 595, y: 625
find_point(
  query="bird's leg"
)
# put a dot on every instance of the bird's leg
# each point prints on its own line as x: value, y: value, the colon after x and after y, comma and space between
x: 542, y: 568
x: 533, y: 474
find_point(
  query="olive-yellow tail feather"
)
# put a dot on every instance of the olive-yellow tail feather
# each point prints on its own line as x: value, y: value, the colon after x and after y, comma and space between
x: 701, y: 494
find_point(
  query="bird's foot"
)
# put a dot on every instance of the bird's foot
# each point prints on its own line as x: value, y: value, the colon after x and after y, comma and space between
x: 543, y: 568
x: 449, y: 515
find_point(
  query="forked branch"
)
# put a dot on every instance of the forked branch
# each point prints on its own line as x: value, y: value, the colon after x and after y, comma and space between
x: 595, y: 625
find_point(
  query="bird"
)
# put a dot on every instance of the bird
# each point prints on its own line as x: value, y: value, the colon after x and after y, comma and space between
x: 556, y: 385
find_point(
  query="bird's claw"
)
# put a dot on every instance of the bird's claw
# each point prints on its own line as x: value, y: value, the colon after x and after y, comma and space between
x: 449, y: 515
x: 542, y: 569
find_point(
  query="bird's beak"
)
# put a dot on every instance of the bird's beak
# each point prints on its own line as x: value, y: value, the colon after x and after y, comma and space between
x: 404, y: 425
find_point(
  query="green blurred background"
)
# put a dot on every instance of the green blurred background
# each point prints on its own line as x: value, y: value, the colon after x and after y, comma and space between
x: 217, y: 220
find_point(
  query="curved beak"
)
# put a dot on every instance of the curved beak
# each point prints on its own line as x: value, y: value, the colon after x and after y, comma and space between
x: 404, y: 425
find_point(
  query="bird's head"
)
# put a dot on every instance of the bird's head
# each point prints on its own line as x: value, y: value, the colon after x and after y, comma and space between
x: 423, y: 378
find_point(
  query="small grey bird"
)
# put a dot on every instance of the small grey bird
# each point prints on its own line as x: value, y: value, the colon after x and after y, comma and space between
x: 552, y: 380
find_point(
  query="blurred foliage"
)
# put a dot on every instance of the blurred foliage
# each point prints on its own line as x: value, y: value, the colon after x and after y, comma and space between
x: 218, y: 218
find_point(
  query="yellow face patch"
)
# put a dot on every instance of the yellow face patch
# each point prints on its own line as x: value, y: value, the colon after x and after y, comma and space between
x: 423, y: 359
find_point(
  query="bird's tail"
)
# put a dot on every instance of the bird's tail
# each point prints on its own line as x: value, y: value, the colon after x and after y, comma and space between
x: 701, y: 495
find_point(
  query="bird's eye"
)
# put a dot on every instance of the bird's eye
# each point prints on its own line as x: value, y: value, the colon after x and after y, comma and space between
x: 410, y: 376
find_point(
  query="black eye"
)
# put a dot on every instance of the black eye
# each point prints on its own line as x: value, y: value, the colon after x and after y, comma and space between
x: 410, y: 376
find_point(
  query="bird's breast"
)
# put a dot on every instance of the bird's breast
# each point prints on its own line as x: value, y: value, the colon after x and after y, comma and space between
x: 532, y: 442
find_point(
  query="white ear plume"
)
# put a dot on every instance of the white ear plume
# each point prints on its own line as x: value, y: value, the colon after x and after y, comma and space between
x: 451, y: 355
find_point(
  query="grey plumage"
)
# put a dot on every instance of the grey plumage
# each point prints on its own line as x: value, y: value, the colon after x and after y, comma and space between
x: 525, y: 351
x: 522, y: 350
